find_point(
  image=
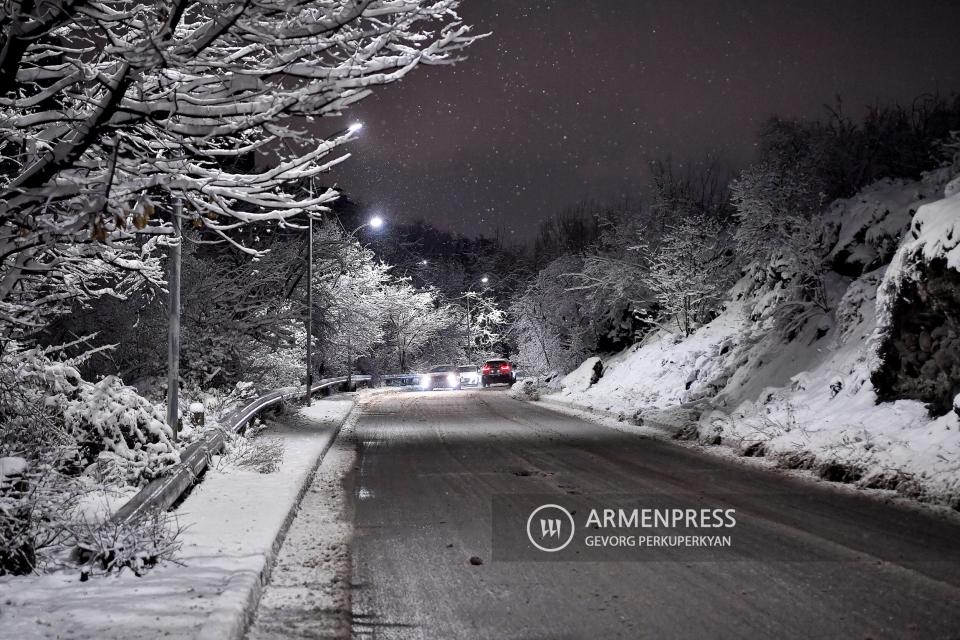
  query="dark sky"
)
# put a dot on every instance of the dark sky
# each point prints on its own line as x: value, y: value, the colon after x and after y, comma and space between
x: 571, y: 99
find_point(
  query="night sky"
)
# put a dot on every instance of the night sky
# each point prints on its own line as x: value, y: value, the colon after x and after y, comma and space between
x: 569, y: 100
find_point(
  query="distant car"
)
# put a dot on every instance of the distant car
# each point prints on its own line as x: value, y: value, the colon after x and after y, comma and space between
x: 469, y: 375
x: 444, y: 376
x: 497, y: 371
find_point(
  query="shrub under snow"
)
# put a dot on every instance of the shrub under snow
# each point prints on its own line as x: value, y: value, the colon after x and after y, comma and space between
x: 63, y: 438
x: 44, y: 402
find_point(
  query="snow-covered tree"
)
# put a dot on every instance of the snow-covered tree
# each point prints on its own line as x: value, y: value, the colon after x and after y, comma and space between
x: 484, y: 320
x: 351, y: 309
x: 112, y: 109
x: 780, y: 228
x: 553, y: 330
x: 414, y: 320
x: 690, y: 271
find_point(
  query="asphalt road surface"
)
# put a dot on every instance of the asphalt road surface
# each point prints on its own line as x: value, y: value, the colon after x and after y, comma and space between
x: 811, y: 561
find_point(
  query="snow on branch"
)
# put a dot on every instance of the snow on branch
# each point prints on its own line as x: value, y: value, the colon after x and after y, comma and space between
x: 110, y: 109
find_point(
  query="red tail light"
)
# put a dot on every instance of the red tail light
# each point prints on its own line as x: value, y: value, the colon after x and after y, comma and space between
x: 485, y: 368
x: 505, y: 368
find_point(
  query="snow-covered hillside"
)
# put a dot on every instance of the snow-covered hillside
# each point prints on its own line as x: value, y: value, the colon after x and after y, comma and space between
x: 810, y: 397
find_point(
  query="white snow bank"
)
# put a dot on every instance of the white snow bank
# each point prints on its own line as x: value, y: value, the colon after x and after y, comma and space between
x: 232, y: 523
x: 936, y: 231
x: 327, y: 410
x: 869, y: 225
x: 581, y: 378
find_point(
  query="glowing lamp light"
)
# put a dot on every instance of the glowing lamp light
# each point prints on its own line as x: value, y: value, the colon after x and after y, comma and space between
x: 356, y: 126
x: 484, y: 279
x: 376, y: 222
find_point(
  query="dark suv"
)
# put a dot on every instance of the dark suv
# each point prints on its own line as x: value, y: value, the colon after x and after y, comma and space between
x: 497, y: 371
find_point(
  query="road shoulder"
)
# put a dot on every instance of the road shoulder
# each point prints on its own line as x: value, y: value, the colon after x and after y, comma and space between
x: 308, y: 595
x: 234, y: 524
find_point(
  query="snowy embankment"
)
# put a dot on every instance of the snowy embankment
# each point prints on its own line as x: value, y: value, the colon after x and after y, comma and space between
x: 233, y: 524
x: 862, y: 393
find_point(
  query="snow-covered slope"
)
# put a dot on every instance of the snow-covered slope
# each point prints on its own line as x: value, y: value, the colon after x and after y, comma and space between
x: 811, y: 400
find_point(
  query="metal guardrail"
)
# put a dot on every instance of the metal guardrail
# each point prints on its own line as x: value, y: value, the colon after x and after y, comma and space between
x: 401, y: 379
x: 162, y: 493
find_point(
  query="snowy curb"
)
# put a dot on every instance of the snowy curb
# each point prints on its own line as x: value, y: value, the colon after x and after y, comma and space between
x: 240, y: 599
x: 552, y: 402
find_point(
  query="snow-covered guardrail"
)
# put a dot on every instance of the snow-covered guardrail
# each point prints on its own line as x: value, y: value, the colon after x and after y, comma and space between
x: 164, y: 492
x: 401, y: 379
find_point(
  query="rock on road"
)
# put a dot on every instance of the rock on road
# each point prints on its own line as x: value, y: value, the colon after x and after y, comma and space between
x: 819, y: 561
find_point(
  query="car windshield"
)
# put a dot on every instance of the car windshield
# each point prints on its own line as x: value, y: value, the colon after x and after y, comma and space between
x: 443, y: 368
x: 467, y: 369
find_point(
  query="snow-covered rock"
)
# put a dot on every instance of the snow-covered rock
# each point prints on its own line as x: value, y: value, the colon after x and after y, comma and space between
x: 581, y: 378
x: 916, y: 345
x: 526, y: 389
x: 869, y: 225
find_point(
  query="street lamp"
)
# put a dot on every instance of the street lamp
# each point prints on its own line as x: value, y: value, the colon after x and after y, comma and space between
x: 309, y: 302
x: 375, y: 222
x: 356, y: 126
x: 484, y: 279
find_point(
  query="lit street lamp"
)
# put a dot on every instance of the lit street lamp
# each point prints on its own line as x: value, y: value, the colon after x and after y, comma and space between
x: 376, y: 222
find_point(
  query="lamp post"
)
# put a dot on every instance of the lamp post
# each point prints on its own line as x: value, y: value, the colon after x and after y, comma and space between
x: 173, y: 324
x: 468, y: 295
x: 376, y: 222
x: 310, y: 303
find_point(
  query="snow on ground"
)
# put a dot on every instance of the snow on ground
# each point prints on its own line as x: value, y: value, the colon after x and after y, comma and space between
x: 232, y: 520
x: 868, y: 225
x: 749, y: 386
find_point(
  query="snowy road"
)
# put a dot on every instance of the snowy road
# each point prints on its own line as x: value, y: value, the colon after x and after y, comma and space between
x: 821, y: 562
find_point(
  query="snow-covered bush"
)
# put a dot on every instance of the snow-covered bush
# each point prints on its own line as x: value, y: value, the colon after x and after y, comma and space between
x: 136, y: 545
x: 780, y: 227
x: 44, y: 404
x: 554, y: 330
x: 253, y: 451
x: 690, y: 271
x: 38, y: 506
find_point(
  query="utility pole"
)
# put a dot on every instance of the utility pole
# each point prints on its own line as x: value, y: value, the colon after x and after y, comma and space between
x: 309, y: 305
x: 173, y: 323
